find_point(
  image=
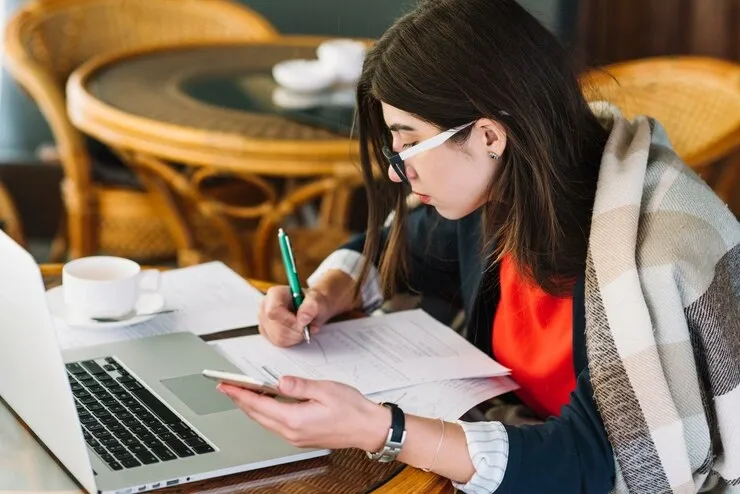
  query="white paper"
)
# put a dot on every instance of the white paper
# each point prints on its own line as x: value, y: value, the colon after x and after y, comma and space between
x: 372, y: 354
x: 447, y: 400
x: 208, y: 298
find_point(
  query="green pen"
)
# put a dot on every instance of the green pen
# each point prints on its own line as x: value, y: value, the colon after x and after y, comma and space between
x: 292, y: 275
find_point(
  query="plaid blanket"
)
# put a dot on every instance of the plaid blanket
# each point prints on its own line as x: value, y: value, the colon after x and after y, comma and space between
x: 663, y: 316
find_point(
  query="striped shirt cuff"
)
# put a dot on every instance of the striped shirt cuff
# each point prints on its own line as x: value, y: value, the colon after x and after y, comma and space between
x: 350, y: 262
x: 488, y: 445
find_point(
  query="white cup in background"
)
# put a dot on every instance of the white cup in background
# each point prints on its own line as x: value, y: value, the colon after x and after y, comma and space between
x: 105, y: 286
x: 343, y: 57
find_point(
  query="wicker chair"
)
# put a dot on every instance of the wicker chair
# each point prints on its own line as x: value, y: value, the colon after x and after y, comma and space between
x: 48, y: 39
x: 696, y: 99
x: 10, y: 221
x: 240, y: 229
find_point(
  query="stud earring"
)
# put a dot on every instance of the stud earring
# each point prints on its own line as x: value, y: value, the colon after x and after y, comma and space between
x: 493, y: 155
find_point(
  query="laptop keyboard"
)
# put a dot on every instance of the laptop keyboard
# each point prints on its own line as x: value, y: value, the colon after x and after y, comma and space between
x: 123, y: 422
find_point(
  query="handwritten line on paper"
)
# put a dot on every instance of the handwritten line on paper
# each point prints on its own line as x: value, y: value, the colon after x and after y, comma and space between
x: 372, y: 354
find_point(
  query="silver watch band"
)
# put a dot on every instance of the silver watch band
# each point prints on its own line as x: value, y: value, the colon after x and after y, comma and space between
x: 390, y: 449
x: 396, y: 436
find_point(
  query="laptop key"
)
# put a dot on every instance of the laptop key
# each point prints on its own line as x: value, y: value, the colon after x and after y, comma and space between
x: 130, y: 421
x: 153, y: 443
x: 160, y: 429
x: 193, y: 442
x: 187, y: 434
x: 114, y: 448
x: 164, y: 454
x: 139, y: 430
x: 93, y: 367
x: 86, y: 400
x: 133, y: 385
x: 146, y: 458
x: 93, y: 428
x: 150, y: 421
x: 131, y: 441
x: 107, y: 457
x: 179, y: 427
x: 156, y: 406
x: 179, y: 448
x: 102, y: 434
x: 75, y: 368
x: 88, y: 419
x: 95, y: 389
x: 99, y: 449
x: 133, y: 462
x: 109, y: 441
x: 114, y: 465
x: 108, y: 420
x: 137, y: 448
x: 201, y: 450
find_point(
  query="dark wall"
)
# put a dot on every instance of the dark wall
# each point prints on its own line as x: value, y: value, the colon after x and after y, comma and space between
x: 370, y: 18
x: 331, y: 17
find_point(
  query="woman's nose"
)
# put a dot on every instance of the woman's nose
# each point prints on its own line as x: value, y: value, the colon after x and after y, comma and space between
x: 393, y: 175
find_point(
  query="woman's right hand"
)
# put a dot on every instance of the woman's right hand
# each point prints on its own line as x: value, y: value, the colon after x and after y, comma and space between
x: 281, y: 326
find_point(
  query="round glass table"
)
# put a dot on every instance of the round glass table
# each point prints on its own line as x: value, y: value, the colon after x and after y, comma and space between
x: 187, y: 116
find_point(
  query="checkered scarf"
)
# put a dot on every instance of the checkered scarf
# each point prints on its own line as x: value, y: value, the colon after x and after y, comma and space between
x: 663, y: 317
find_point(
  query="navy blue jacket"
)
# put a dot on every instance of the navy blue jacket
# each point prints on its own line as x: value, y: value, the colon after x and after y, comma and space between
x: 567, y: 454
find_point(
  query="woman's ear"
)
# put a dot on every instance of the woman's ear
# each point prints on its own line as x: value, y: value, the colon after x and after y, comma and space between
x: 493, y: 136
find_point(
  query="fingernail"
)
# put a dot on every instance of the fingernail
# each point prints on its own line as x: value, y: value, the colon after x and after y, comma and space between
x: 286, y: 383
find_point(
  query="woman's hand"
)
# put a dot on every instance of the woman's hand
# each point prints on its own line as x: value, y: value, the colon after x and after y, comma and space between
x: 334, y: 416
x: 281, y: 326
x: 332, y: 295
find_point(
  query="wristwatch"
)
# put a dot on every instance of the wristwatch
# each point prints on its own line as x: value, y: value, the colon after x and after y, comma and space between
x: 396, y: 436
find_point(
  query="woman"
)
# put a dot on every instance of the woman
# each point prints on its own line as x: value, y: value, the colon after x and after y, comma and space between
x: 587, y: 257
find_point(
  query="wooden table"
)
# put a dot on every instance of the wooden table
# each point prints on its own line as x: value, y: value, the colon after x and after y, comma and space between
x: 210, y: 109
x: 26, y: 467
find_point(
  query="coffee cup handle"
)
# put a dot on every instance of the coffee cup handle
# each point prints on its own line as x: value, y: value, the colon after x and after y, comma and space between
x: 150, y: 280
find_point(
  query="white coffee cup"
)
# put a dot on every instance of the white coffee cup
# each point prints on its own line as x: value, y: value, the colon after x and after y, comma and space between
x: 105, y: 286
x: 343, y: 57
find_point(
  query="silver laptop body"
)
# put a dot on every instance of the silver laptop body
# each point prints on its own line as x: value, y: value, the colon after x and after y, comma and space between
x: 176, y: 427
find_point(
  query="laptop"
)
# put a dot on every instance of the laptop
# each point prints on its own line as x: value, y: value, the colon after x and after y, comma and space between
x: 125, y: 417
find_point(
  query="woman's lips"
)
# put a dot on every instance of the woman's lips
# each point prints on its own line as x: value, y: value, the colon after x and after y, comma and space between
x: 423, y: 198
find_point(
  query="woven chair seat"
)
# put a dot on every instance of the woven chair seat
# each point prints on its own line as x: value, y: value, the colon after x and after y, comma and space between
x: 129, y: 226
x: 311, y: 247
x: 696, y: 99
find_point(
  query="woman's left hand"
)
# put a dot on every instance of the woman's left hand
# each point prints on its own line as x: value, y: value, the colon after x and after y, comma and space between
x: 334, y: 416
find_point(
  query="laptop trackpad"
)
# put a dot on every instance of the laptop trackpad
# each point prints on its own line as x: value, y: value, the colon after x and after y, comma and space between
x: 199, y: 394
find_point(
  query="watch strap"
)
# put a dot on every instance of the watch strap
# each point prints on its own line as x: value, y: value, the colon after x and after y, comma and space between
x: 396, y: 436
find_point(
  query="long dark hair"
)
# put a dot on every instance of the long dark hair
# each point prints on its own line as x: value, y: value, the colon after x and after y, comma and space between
x: 449, y: 62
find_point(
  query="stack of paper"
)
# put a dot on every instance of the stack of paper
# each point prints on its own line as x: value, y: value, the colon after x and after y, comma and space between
x: 405, y: 357
x: 207, y: 298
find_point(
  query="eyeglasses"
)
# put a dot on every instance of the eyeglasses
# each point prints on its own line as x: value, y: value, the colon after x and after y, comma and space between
x: 396, y: 160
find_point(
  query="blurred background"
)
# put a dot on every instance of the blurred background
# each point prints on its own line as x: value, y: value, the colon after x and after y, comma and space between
x: 166, y: 204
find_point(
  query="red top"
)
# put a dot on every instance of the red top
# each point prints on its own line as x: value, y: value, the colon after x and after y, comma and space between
x: 533, y: 336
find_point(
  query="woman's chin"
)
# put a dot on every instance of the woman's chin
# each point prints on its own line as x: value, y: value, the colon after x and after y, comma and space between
x: 451, y: 213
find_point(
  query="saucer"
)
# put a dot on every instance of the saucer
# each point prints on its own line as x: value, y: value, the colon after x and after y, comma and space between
x: 148, y: 302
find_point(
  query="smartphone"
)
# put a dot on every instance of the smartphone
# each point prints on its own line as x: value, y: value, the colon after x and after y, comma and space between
x: 246, y: 382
